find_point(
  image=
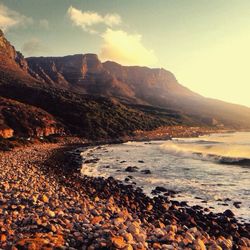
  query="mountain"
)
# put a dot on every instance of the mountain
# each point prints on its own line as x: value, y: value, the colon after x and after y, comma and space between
x: 29, y: 104
x: 78, y: 94
x: 135, y: 85
x: 81, y: 73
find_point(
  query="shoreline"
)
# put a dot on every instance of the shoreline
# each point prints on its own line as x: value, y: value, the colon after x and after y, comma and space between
x: 130, y: 168
x: 132, y: 220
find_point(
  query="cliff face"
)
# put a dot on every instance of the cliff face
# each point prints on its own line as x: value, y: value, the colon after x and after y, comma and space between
x: 24, y: 120
x: 86, y: 74
x: 155, y: 86
x: 9, y: 57
x: 120, y: 99
x: 82, y: 73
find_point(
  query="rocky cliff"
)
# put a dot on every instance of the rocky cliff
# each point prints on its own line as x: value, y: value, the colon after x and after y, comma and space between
x: 99, y: 100
x: 9, y: 57
x: 80, y: 73
x: 18, y: 119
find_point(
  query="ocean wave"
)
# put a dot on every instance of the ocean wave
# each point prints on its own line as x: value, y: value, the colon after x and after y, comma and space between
x: 209, y: 151
x: 196, y: 141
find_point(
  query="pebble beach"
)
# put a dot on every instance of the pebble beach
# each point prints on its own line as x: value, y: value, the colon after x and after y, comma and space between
x: 46, y: 204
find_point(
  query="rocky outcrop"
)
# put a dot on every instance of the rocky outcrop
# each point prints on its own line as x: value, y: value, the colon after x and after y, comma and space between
x: 135, y: 98
x: 81, y: 73
x: 24, y: 120
x: 9, y: 57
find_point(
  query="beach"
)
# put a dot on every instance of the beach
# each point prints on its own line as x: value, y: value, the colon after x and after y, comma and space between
x: 47, y: 204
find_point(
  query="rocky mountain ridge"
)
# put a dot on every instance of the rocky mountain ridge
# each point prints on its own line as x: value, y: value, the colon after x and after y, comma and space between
x: 99, y: 100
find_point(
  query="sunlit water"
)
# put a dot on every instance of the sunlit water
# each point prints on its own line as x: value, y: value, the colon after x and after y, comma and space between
x: 214, y: 169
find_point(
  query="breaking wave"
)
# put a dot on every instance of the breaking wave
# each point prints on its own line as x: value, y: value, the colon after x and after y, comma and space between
x: 218, y: 149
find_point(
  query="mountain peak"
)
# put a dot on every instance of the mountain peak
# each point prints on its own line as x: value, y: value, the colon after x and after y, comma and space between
x: 9, y: 57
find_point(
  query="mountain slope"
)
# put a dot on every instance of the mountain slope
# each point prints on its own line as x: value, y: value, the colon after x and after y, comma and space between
x: 100, y: 100
x: 25, y: 119
x: 136, y: 85
x: 93, y: 117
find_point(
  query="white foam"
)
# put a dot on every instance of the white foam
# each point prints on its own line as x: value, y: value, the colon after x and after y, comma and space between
x: 174, y: 165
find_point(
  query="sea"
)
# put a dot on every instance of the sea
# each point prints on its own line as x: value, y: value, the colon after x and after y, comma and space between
x: 212, y: 171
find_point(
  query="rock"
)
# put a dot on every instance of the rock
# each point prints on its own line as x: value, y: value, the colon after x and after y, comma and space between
x: 96, y: 220
x: 146, y: 171
x: 52, y: 228
x: 134, y: 228
x: 51, y: 214
x: 128, y: 247
x: 3, y: 238
x: 226, y: 244
x: 199, y: 244
x: 128, y: 237
x: 188, y: 238
x: 229, y: 213
x: 244, y: 242
x: 44, y: 198
x: 140, y: 237
x: 149, y: 207
x: 118, y: 242
x: 131, y: 169
x: 156, y: 245
x: 160, y: 189
x: 172, y: 228
x: 214, y: 247
x: 237, y: 204
x: 193, y: 230
x: 118, y: 221
x: 159, y: 232
x: 167, y: 247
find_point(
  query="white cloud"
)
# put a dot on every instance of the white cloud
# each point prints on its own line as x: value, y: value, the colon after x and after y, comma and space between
x: 126, y: 49
x: 117, y: 45
x: 10, y: 18
x: 34, y: 47
x: 87, y: 19
x: 44, y: 23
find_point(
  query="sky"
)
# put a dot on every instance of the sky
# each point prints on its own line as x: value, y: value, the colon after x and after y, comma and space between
x: 205, y: 43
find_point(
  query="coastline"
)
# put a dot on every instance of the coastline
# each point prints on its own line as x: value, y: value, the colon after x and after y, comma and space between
x: 97, y: 213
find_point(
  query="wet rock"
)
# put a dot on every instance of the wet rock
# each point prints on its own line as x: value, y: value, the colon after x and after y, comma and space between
x: 237, y: 204
x: 131, y: 169
x: 229, y: 213
x: 160, y: 189
x: 146, y: 171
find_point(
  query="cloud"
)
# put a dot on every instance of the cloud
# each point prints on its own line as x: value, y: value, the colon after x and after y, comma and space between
x: 87, y: 19
x: 117, y: 45
x: 44, y: 23
x: 10, y: 18
x: 125, y: 48
x: 34, y: 47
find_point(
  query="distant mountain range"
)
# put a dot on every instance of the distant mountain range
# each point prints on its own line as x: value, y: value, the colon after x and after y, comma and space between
x: 78, y: 94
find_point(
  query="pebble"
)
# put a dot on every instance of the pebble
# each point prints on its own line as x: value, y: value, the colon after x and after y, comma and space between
x: 55, y: 211
x: 118, y: 242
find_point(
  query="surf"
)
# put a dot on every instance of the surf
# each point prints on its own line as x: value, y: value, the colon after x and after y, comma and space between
x: 223, y: 149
